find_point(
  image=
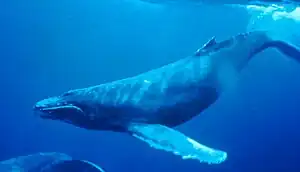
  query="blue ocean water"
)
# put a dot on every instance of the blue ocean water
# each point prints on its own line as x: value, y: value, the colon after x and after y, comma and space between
x: 53, y: 46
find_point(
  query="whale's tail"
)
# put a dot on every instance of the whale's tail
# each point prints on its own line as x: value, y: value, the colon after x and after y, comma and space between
x: 287, y: 49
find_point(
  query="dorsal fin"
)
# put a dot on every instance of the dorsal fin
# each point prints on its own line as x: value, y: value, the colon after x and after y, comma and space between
x: 210, y: 43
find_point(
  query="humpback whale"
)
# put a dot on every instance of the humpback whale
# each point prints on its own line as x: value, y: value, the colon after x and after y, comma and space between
x: 148, y: 106
x: 228, y: 2
x: 47, y: 162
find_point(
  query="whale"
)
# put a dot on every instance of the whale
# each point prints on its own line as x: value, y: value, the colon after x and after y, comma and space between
x: 48, y: 162
x: 150, y: 105
x: 228, y: 2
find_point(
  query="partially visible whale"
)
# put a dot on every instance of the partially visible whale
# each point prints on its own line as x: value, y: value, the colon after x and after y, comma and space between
x: 47, y: 162
x: 228, y: 2
x: 148, y: 105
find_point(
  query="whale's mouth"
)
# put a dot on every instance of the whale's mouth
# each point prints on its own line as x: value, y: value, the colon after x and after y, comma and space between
x: 54, y: 108
x: 59, y: 112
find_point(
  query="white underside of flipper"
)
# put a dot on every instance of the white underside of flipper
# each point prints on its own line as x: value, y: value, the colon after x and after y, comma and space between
x: 170, y: 140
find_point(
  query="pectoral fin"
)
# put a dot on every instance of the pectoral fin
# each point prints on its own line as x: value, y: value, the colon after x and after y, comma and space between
x: 170, y: 140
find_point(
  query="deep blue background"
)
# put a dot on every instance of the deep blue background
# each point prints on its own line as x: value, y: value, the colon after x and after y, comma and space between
x: 48, y: 47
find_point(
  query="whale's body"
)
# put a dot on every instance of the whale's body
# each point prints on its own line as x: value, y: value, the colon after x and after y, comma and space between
x: 169, y: 95
x: 148, y: 105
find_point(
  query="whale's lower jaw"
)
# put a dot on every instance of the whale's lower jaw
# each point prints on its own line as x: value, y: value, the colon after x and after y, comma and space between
x: 56, y: 109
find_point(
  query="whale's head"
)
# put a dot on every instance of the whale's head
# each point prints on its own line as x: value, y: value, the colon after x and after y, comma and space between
x: 73, y: 107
